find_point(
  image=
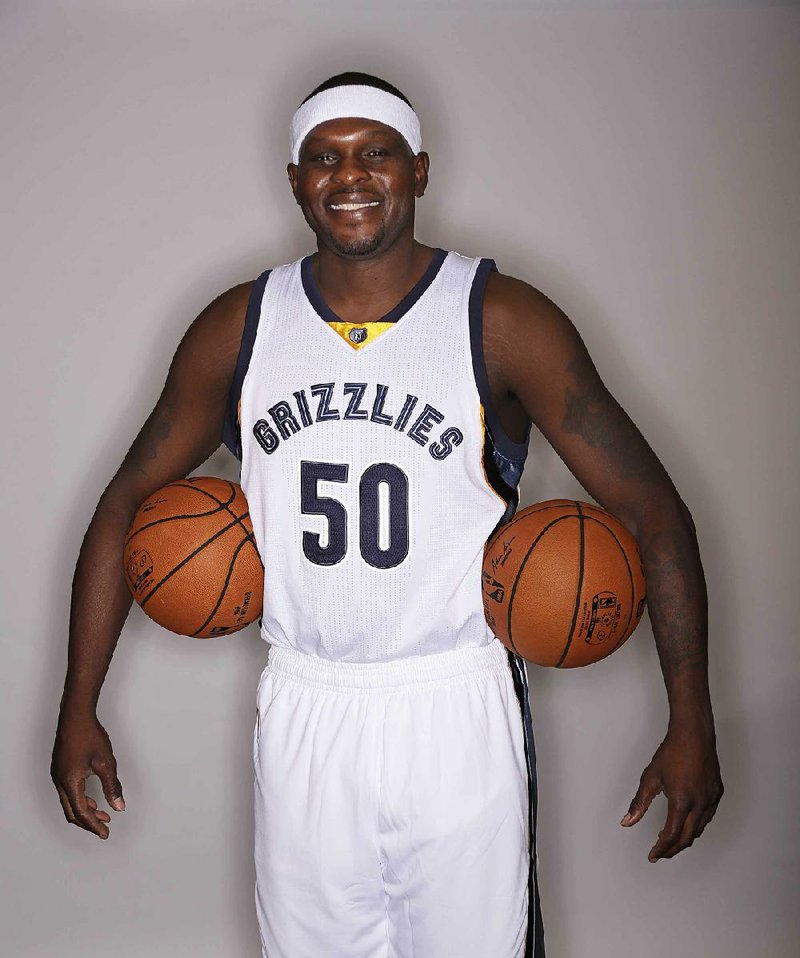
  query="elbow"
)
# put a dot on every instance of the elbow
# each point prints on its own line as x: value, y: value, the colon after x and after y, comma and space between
x: 669, y: 513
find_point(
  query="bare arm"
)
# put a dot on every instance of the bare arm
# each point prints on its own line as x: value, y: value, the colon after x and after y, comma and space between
x: 182, y: 431
x: 549, y: 370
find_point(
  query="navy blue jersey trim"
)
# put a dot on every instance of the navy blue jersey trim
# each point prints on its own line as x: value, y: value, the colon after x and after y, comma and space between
x: 405, y: 304
x: 512, y: 450
x: 534, y: 943
x: 231, y: 434
x: 503, y: 476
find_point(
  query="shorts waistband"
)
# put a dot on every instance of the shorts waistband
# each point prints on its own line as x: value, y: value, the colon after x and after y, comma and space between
x: 415, y: 670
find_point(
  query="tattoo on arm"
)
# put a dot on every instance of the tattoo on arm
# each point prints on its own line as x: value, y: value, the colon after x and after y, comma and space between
x: 679, y: 618
x: 155, y: 431
x: 592, y: 413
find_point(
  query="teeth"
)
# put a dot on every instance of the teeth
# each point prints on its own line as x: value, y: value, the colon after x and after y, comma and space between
x: 353, y: 206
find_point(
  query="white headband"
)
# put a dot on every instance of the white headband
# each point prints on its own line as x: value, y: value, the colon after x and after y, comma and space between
x: 365, y: 102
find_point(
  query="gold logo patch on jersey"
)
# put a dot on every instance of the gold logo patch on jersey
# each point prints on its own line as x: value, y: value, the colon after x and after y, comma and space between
x: 358, y: 335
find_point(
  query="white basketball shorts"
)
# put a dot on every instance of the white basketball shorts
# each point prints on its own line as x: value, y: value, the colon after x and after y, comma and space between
x: 393, y: 808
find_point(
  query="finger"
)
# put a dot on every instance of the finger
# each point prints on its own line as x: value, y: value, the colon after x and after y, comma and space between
x: 708, y: 815
x: 649, y: 787
x: 68, y: 813
x: 670, y: 834
x: 84, y: 816
x: 688, y: 833
x: 103, y: 816
x: 106, y: 771
x: 704, y: 819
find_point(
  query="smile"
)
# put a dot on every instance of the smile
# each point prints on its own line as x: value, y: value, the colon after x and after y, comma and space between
x: 354, y: 206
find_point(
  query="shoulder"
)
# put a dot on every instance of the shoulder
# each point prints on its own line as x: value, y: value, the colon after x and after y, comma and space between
x: 211, y: 343
x: 524, y: 326
x: 520, y: 307
x: 225, y: 314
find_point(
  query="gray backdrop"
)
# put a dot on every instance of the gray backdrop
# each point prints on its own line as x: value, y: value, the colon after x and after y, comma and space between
x: 636, y: 161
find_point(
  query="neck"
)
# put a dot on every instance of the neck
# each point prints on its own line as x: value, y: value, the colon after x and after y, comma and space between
x: 372, y: 285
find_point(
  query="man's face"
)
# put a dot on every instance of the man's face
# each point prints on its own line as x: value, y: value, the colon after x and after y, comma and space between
x: 356, y: 183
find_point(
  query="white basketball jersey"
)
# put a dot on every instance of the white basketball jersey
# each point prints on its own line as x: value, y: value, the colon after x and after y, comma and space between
x: 373, y: 463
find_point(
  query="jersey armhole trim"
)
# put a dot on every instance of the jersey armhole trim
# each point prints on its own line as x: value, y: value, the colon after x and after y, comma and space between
x: 231, y: 431
x: 516, y: 451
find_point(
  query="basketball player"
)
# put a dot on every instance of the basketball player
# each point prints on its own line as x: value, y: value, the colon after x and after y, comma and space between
x: 380, y: 395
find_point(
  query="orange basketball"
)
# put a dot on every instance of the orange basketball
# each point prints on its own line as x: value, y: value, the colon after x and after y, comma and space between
x: 563, y: 583
x: 191, y: 561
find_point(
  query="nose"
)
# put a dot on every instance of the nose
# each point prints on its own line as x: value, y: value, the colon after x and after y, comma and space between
x: 350, y: 170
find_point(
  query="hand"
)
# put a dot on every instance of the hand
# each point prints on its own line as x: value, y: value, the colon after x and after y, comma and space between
x: 685, y: 767
x: 82, y: 748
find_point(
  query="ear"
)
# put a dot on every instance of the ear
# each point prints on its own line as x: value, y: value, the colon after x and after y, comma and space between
x: 292, y: 172
x: 422, y: 164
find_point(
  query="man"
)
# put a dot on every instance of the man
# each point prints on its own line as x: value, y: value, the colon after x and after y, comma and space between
x: 380, y: 395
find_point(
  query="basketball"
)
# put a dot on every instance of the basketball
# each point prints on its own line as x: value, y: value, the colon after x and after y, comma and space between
x: 191, y: 561
x: 563, y: 583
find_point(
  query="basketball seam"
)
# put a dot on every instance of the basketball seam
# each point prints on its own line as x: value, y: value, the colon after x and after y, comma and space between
x: 580, y: 585
x: 523, y: 514
x: 522, y: 566
x: 189, y: 557
x: 155, y: 522
x: 225, y: 584
x: 225, y: 506
x: 630, y: 577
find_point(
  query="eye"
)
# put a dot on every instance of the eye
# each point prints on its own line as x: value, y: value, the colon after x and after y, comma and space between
x: 323, y: 158
x: 377, y: 151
